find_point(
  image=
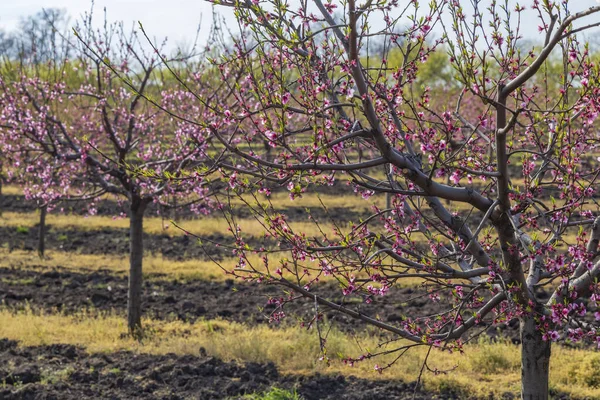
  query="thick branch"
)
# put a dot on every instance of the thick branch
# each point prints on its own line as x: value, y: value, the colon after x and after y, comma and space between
x: 525, y: 75
x: 503, y: 224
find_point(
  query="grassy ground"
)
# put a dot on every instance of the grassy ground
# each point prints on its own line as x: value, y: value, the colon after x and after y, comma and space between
x: 202, y: 227
x: 216, y: 225
x: 483, y: 368
x: 155, y: 266
x: 282, y: 199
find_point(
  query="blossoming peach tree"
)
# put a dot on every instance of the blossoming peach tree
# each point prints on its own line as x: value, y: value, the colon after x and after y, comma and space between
x: 38, y: 40
x: 83, y: 126
x: 491, y: 188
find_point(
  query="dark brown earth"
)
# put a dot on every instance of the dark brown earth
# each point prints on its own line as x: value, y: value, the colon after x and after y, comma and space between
x: 108, y: 207
x: 233, y: 300
x: 116, y: 242
x: 66, y: 372
x: 69, y: 292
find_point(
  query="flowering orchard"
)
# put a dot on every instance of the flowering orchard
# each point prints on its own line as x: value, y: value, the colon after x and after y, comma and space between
x: 83, y: 127
x: 491, y: 189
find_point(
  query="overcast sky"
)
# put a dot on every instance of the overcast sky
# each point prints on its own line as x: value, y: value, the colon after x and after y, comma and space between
x: 179, y: 19
x: 176, y: 19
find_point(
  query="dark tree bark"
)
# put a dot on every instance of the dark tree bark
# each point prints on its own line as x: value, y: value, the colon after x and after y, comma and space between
x: 42, y: 231
x: 136, y: 253
x: 535, y: 361
x: 535, y: 352
x: 175, y: 208
x: 1, y: 183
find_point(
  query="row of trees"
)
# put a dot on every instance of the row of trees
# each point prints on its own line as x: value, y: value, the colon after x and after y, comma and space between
x: 491, y: 182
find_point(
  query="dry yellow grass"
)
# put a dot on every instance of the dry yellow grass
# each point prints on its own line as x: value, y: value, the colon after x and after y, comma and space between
x: 155, y: 266
x: 482, y: 370
x: 12, y: 190
x: 207, y: 226
x: 153, y: 225
x: 281, y: 200
x: 485, y: 368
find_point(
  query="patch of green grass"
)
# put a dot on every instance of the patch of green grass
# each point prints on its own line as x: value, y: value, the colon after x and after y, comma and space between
x: 49, y: 376
x: 18, y: 282
x: 114, y: 371
x: 275, y: 394
x: 22, y: 230
x: 101, y: 286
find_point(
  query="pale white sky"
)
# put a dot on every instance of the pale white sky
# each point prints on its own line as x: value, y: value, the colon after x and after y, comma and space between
x: 178, y: 19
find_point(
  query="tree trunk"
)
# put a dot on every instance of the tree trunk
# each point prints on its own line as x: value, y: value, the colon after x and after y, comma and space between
x: 175, y: 213
x: 535, y: 361
x: 1, y: 182
x: 42, y: 231
x: 136, y: 253
x: 388, y: 202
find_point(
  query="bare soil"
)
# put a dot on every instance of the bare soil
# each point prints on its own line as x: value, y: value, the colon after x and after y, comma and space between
x: 110, y: 208
x: 66, y: 372
x: 233, y: 300
x: 116, y: 242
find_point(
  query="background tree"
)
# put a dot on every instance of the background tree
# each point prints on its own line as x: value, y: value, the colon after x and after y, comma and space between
x: 519, y: 237
x: 98, y: 134
x: 38, y: 37
x: 38, y: 48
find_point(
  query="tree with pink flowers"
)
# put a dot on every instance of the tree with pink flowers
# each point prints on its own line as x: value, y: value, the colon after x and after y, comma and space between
x: 84, y: 127
x: 492, y: 187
